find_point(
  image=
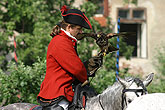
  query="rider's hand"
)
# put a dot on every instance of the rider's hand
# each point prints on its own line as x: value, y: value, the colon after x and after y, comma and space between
x: 93, y: 64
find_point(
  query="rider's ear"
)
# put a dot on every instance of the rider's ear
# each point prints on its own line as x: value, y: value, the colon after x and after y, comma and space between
x: 122, y: 82
x: 148, y: 79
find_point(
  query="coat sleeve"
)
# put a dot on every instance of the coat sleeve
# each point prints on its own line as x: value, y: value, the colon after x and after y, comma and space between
x: 66, y: 56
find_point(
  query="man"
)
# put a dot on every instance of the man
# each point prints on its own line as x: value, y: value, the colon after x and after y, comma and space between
x: 63, y: 64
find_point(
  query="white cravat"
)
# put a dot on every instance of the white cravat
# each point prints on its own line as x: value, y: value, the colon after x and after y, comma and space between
x: 67, y: 33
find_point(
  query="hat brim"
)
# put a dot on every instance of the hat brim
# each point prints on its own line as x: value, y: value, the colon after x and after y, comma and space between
x: 74, y: 16
x: 77, y: 20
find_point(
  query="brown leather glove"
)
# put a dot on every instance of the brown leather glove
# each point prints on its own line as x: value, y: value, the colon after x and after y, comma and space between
x: 93, y: 64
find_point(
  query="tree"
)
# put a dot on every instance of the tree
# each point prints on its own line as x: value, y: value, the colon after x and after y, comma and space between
x: 34, y: 19
x: 23, y: 84
x: 158, y: 84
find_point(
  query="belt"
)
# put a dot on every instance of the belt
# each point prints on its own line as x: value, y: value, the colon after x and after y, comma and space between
x: 47, y: 102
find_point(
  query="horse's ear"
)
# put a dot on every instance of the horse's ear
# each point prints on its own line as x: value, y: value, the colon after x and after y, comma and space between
x: 148, y: 79
x: 122, y: 81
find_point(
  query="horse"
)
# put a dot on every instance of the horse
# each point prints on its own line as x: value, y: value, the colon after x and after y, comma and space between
x: 115, y: 97
x: 154, y: 101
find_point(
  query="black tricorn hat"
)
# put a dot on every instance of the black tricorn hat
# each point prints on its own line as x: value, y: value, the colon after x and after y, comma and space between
x: 75, y: 16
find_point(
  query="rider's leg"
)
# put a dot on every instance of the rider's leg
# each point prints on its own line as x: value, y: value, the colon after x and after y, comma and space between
x: 60, y: 104
x: 53, y: 107
x: 64, y: 103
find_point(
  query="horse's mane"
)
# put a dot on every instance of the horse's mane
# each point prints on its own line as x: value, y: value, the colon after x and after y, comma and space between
x: 112, y: 95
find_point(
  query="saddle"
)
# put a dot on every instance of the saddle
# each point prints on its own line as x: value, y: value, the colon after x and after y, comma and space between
x: 81, y: 95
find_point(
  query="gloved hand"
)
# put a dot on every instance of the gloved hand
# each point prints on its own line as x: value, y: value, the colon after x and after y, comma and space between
x: 93, y: 64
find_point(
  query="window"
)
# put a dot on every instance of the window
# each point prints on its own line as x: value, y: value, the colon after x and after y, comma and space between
x: 124, y: 14
x: 132, y: 14
x: 134, y: 20
x: 138, y: 14
x: 100, y: 7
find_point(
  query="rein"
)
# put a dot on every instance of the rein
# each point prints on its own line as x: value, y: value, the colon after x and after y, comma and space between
x: 100, y: 103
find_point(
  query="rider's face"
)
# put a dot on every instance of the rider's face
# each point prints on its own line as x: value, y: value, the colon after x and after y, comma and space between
x: 74, y: 31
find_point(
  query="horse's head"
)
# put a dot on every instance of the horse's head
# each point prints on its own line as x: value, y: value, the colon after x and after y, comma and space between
x: 134, y: 87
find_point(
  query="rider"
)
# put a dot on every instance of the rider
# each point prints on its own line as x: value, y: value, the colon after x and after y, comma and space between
x: 63, y: 64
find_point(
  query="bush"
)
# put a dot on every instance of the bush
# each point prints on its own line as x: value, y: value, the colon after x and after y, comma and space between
x: 105, y: 78
x: 159, y: 61
x: 158, y: 84
x: 102, y: 80
x: 23, y: 82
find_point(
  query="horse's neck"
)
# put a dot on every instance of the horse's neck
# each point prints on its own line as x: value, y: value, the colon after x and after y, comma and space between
x: 110, y: 99
x: 112, y: 90
x: 112, y: 95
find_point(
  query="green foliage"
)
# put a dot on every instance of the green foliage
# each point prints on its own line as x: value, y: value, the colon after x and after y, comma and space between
x: 130, y: 1
x: 159, y: 61
x: 158, y: 84
x: 103, y: 79
x: 34, y: 19
x: 135, y: 2
x: 23, y: 81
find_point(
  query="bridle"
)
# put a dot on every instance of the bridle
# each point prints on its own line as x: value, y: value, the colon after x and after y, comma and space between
x: 139, y: 83
x: 143, y: 91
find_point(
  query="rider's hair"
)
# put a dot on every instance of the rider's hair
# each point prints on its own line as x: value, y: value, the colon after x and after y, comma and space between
x: 56, y: 29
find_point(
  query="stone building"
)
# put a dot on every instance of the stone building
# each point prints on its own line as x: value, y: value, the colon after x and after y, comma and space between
x: 146, y: 18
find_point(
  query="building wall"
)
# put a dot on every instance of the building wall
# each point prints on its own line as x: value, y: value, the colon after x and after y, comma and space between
x: 155, y: 23
x: 155, y: 32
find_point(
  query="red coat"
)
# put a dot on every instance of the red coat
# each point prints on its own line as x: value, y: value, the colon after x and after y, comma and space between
x: 62, y: 61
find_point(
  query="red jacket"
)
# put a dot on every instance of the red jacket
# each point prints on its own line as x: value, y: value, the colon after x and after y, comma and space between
x: 63, y: 66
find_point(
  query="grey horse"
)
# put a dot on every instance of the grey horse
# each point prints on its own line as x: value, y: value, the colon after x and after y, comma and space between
x: 154, y: 101
x: 113, y: 98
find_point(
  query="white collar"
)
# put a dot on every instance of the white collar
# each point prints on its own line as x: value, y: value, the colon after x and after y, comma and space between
x: 67, y: 33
